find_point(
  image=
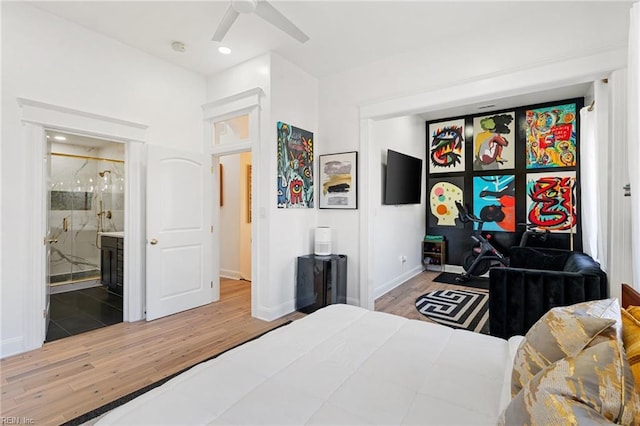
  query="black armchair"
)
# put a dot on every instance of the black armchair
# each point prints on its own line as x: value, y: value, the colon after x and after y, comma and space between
x: 537, y: 280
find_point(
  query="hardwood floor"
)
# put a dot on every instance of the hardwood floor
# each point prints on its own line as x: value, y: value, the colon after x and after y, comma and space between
x: 401, y: 300
x: 69, y: 377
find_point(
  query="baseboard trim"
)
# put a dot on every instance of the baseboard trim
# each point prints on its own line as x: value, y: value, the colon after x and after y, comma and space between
x: 353, y: 301
x: 456, y: 269
x: 233, y: 275
x: 390, y: 285
x: 270, y: 314
x: 11, y: 347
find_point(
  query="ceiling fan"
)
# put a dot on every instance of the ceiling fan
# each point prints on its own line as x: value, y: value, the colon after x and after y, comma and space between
x: 263, y: 9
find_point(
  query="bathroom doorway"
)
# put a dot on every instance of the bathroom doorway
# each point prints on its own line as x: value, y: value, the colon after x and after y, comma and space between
x: 86, y: 199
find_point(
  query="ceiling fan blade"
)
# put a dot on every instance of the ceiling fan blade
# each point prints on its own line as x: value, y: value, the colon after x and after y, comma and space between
x: 227, y: 20
x: 270, y: 14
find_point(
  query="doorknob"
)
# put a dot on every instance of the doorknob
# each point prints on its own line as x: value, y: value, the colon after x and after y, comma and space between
x: 153, y: 242
x: 51, y: 240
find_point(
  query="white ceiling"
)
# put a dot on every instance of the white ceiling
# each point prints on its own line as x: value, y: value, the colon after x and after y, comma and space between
x: 349, y: 34
x: 343, y: 34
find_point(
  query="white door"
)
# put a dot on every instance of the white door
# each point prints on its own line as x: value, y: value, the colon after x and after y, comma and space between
x: 179, y: 234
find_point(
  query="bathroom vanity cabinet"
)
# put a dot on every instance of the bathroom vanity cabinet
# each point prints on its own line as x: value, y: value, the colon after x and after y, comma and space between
x: 112, y: 262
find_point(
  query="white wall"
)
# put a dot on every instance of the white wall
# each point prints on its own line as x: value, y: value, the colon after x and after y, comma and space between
x: 399, y: 229
x: 248, y: 75
x: 54, y: 61
x: 291, y: 96
x: 294, y: 101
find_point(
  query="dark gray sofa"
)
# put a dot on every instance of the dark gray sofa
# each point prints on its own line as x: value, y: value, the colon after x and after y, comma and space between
x: 537, y: 280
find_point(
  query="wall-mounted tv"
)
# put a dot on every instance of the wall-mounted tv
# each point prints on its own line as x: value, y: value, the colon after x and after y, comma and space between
x: 403, y: 179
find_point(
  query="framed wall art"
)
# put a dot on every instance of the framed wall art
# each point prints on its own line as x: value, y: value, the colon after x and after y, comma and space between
x: 551, y: 137
x: 551, y: 201
x: 221, y: 184
x: 494, y: 201
x: 446, y: 146
x: 494, y: 142
x: 295, y: 167
x: 339, y: 181
x: 512, y: 167
x: 249, y: 194
x: 443, y: 194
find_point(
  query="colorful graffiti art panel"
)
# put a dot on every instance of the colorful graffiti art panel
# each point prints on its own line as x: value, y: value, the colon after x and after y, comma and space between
x: 295, y: 167
x: 443, y: 193
x: 493, y: 142
x: 494, y: 201
x: 551, y: 201
x: 551, y: 137
x: 446, y: 147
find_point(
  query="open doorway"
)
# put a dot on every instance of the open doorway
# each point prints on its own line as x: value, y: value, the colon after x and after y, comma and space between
x: 235, y: 224
x: 86, y: 229
x: 234, y: 128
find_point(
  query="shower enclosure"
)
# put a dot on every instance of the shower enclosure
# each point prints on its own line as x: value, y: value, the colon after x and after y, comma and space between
x: 87, y: 198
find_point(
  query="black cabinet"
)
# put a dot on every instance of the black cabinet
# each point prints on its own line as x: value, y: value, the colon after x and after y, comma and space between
x: 320, y: 281
x: 112, y: 263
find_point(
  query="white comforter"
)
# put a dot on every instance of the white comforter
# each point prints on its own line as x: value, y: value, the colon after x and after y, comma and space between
x: 339, y: 365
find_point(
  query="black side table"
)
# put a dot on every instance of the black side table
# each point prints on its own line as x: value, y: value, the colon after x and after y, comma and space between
x: 321, y: 281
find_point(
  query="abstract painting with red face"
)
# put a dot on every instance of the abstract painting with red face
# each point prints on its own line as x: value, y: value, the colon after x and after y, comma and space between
x: 295, y: 167
x: 551, y: 137
x: 551, y: 201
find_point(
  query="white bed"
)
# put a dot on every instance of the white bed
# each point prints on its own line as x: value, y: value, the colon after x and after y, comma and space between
x: 340, y: 365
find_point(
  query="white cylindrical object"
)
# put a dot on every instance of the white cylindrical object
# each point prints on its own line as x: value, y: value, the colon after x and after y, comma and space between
x: 322, y: 241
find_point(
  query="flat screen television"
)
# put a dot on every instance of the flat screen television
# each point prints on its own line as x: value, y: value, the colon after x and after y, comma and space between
x: 403, y: 179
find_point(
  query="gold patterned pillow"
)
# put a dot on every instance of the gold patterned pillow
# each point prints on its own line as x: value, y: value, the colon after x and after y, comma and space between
x: 634, y: 311
x: 561, y: 332
x: 593, y: 387
x: 631, y: 339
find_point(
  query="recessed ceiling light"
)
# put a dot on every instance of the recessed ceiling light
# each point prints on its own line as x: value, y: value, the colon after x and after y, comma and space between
x: 60, y: 138
x: 224, y: 50
x: 178, y: 46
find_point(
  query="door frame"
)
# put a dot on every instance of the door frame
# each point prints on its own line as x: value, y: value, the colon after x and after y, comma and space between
x: 243, y: 103
x: 37, y: 116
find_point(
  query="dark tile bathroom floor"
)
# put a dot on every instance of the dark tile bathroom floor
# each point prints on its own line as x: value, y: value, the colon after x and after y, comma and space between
x: 75, y: 312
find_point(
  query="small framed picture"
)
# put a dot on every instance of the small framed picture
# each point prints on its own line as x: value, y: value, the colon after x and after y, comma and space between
x: 339, y: 181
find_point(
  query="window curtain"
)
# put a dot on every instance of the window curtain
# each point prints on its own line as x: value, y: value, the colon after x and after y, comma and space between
x: 593, y: 237
x: 633, y: 139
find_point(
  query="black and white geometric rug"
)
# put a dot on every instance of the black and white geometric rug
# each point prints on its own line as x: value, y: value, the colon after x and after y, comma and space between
x: 466, y: 309
x: 451, y: 278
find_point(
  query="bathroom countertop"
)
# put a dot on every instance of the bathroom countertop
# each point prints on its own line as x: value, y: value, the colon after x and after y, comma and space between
x: 112, y: 234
